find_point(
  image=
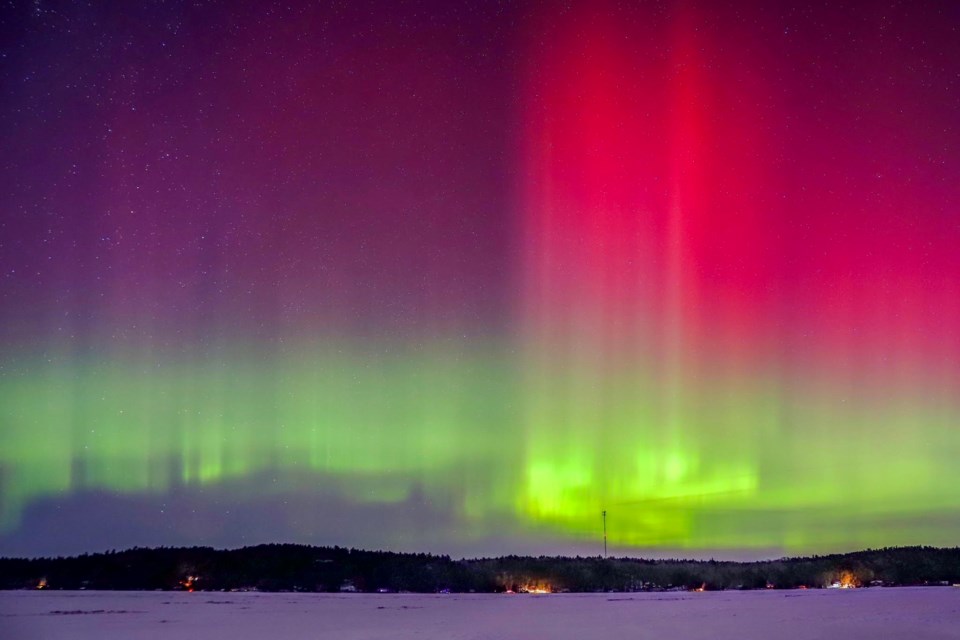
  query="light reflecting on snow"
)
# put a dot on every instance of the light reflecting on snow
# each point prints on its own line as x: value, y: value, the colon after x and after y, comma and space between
x: 931, y: 612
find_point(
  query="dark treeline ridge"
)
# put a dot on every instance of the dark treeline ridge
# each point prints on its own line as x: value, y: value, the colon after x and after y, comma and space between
x: 287, y: 567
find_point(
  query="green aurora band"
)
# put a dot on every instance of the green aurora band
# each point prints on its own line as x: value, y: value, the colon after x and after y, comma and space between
x: 452, y: 421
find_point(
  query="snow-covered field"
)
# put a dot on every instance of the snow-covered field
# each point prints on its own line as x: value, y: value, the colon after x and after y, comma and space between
x: 909, y: 613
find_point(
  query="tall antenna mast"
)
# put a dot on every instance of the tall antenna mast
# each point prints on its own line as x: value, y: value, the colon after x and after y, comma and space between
x: 604, y: 513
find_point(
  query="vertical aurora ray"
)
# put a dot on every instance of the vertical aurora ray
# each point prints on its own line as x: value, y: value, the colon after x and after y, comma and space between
x: 661, y: 316
x: 609, y: 303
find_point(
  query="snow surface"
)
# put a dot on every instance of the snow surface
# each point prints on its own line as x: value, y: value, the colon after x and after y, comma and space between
x: 878, y: 613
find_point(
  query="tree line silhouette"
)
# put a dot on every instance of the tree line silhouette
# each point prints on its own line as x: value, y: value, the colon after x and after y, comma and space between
x: 288, y: 567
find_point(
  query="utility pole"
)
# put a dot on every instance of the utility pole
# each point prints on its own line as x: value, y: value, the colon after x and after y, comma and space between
x: 604, y: 512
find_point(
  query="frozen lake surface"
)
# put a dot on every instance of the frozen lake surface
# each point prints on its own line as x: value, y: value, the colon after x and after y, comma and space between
x: 930, y: 612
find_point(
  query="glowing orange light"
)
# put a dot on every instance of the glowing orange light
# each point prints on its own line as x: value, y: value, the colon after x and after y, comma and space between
x: 188, y: 582
x: 536, y: 586
x: 848, y: 580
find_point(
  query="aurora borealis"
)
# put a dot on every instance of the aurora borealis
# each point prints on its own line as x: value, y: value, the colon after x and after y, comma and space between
x: 459, y: 276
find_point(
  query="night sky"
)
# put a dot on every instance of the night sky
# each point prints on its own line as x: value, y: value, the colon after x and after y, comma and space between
x: 457, y: 276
